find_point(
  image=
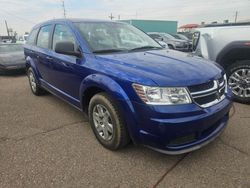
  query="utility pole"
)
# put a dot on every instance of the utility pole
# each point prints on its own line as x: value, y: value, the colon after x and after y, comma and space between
x: 236, y: 15
x: 7, y: 28
x: 63, y: 7
x: 111, y: 16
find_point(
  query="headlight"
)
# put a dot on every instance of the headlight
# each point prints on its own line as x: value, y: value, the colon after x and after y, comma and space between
x: 162, y: 95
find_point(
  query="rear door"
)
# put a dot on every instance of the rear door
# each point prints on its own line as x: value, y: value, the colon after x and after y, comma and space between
x: 42, y: 51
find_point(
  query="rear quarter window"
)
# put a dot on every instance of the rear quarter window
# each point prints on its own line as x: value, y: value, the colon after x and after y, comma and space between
x: 44, y: 36
x: 32, y: 37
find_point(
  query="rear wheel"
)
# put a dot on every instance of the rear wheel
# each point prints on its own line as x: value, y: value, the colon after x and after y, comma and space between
x: 34, y: 86
x: 239, y: 80
x: 107, y: 122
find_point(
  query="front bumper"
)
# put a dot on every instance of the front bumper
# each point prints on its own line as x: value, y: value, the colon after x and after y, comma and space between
x: 10, y: 67
x: 195, y: 145
x: 180, y: 128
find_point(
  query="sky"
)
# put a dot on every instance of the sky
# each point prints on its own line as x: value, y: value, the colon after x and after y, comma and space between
x: 22, y: 15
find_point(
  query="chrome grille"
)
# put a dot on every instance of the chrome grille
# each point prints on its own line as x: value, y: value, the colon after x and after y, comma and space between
x: 209, y: 93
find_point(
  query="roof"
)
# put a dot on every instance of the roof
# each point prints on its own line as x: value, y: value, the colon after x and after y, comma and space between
x: 71, y: 20
x: 227, y: 24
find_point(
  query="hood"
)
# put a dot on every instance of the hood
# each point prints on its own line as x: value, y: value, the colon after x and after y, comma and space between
x: 12, y: 58
x: 163, y: 67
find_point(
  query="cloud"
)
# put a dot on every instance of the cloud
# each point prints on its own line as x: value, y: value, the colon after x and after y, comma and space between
x: 22, y: 15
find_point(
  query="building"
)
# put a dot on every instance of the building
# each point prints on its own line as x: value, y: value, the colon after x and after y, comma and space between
x: 154, y: 25
x: 188, y: 27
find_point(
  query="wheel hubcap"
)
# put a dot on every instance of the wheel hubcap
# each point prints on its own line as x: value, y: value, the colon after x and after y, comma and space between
x: 32, y: 81
x: 102, y: 121
x: 239, y: 82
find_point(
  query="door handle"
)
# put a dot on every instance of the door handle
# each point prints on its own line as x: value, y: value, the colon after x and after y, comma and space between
x: 49, y: 58
x: 65, y: 64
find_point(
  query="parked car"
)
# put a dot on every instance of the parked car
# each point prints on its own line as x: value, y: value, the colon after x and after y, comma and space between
x: 230, y: 47
x: 189, y: 35
x: 11, y: 57
x: 172, y: 42
x: 183, y: 37
x: 163, y: 44
x: 169, y: 101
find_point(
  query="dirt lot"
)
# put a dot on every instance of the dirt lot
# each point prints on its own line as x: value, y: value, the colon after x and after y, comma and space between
x: 45, y: 142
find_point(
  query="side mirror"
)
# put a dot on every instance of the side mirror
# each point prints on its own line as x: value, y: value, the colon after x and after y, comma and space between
x: 67, y: 48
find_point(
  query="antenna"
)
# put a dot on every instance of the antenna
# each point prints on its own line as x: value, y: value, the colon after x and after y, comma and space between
x: 63, y: 7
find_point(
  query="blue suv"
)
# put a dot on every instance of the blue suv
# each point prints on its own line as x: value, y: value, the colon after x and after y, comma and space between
x: 130, y: 87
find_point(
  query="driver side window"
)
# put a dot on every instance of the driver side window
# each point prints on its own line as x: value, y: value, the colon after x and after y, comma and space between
x: 63, y: 33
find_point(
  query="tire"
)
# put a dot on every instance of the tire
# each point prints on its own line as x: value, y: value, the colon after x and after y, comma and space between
x: 240, y: 71
x: 171, y: 47
x: 118, y: 136
x: 34, y: 86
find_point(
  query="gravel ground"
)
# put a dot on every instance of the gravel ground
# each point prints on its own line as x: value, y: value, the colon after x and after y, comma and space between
x: 45, y: 142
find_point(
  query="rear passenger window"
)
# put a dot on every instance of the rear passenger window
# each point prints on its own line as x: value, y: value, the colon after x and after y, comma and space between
x: 43, y: 36
x: 32, y: 37
x: 63, y: 33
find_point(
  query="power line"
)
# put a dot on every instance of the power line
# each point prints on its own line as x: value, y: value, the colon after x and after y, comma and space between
x: 14, y: 15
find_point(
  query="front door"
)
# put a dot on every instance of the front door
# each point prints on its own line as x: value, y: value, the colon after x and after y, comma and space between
x: 67, y: 72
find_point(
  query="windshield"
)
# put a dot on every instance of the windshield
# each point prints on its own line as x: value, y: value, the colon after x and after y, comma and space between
x: 10, y: 48
x: 112, y: 37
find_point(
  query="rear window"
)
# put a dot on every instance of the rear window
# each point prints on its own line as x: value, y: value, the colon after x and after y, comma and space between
x: 11, y: 48
x: 43, y: 36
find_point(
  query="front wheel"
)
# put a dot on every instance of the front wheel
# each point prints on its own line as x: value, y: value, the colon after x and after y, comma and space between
x: 107, y: 122
x: 239, y: 80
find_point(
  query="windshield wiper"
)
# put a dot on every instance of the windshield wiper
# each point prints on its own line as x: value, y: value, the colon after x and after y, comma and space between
x: 145, y: 48
x: 109, y: 50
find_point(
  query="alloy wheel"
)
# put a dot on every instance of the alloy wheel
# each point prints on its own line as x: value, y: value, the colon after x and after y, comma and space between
x: 32, y: 81
x: 239, y: 82
x: 103, y: 122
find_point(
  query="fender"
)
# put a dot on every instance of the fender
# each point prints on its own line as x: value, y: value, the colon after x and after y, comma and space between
x: 31, y: 63
x: 105, y: 83
x: 231, y: 46
x: 116, y: 91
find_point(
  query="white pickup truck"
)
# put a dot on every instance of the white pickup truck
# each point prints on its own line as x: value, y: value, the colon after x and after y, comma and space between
x: 230, y: 47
